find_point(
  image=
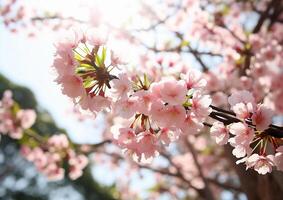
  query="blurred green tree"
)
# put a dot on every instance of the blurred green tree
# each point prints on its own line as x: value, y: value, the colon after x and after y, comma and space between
x: 19, y: 180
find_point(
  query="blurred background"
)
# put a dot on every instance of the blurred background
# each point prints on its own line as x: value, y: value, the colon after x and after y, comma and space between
x: 155, y: 37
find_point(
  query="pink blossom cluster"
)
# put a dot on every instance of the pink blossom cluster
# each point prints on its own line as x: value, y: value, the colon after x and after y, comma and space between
x: 248, y: 134
x: 83, y: 65
x: 50, y: 158
x: 13, y: 120
x: 159, y: 112
x: 11, y: 13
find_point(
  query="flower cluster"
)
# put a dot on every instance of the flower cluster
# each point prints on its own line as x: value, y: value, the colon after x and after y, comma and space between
x: 249, y: 134
x: 83, y: 65
x: 159, y: 112
x: 13, y: 120
x: 49, y: 156
x: 50, y: 159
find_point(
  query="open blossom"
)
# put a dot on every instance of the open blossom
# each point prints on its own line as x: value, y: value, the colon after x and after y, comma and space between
x: 76, y: 164
x: 174, y: 116
x: 242, y: 103
x: 126, y: 107
x: 96, y: 37
x: 191, y: 124
x: 166, y: 135
x: 12, y: 123
x: 173, y: 92
x: 26, y: 117
x: 126, y: 138
x: 7, y: 100
x: 157, y: 113
x: 220, y: 133
x: 121, y: 86
x: 144, y: 99
x: 262, y: 164
x: 58, y: 142
x: 147, y: 145
x: 64, y: 45
x: 45, y: 162
x: 262, y: 117
x: 143, y: 145
x: 243, y: 111
x: 83, y: 71
x: 200, y: 104
x: 49, y: 160
x: 243, y: 137
x: 243, y: 134
x: 72, y: 85
x: 194, y: 79
x: 95, y: 103
x: 240, y: 150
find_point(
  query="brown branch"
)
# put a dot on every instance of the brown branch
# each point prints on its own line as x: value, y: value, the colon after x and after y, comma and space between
x: 197, y: 57
x: 225, y: 186
x: 208, y: 192
x: 56, y: 17
x: 179, y: 49
x: 175, y: 175
x: 273, y: 4
x: 228, y: 117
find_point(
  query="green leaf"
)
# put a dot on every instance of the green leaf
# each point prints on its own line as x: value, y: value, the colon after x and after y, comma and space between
x: 240, y: 61
x: 84, y: 69
x: 146, y: 81
x: 103, y: 56
x: 78, y: 57
x: 185, y: 43
x: 98, y: 61
x: 226, y: 9
x: 15, y: 108
x: 89, y: 82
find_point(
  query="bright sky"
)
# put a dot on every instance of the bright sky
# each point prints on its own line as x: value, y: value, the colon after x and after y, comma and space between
x: 27, y: 62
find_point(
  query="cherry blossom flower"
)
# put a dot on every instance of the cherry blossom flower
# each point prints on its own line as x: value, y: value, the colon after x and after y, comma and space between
x: 174, y: 116
x: 262, y: 117
x: 262, y: 164
x: 243, y: 137
x: 243, y: 111
x: 144, y: 99
x: 72, y: 85
x: 191, y: 124
x: 220, y: 133
x: 147, y: 145
x: 241, y: 97
x: 77, y: 164
x: 167, y: 136
x: 12, y: 123
x: 173, y: 92
x: 26, y: 117
x: 121, y: 86
x: 7, y: 100
x: 157, y: 113
x: 194, y: 79
x: 126, y: 107
x: 200, y: 104
x: 126, y: 138
x: 58, y: 142
x: 243, y: 134
x: 240, y: 150
x: 94, y: 103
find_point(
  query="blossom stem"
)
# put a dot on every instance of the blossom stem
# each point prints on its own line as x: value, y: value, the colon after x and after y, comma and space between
x: 228, y: 117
